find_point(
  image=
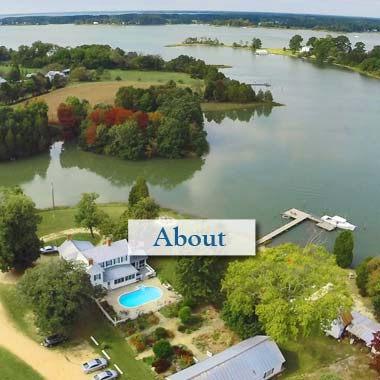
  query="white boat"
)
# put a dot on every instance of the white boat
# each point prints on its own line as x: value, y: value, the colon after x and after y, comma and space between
x: 338, y: 222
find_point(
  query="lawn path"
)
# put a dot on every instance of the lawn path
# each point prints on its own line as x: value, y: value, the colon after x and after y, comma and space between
x: 50, y: 363
x: 71, y: 231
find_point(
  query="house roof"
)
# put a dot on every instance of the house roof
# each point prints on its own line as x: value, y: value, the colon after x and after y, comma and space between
x: 118, y: 271
x: 107, y: 252
x: 247, y: 360
x: 363, y: 327
x: 95, y: 269
x: 69, y: 249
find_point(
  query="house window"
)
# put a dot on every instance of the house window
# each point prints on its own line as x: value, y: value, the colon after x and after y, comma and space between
x: 118, y: 281
x: 102, y: 265
x: 121, y: 259
x: 108, y: 263
x: 141, y: 263
x: 97, y: 277
x: 130, y: 277
x: 118, y: 260
x: 268, y: 373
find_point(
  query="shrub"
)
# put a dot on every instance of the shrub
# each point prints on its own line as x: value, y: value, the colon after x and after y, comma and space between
x: 161, y: 365
x: 163, y: 349
x: 160, y: 333
x: 185, y: 315
x: 170, y: 311
x: 118, y: 78
x: 182, y: 328
x: 139, y: 342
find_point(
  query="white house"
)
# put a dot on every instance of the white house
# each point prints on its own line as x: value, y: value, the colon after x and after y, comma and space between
x: 51, y: 75
x: 257, y: 358
x: 306, y: 49
x: 111, y: 265
x: 262, y: 52
x: 2, y: 80
x: 363, y: 328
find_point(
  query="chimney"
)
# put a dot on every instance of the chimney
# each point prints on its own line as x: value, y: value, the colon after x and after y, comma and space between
x: 69, y: 237
x: 90, y: 261
x: 108, y: 242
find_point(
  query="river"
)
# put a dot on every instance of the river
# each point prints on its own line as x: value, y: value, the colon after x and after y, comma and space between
x: 318, y: 153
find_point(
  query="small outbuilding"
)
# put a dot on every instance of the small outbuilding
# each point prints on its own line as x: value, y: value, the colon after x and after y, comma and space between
x: 257, y: 358
x: 363, y: 328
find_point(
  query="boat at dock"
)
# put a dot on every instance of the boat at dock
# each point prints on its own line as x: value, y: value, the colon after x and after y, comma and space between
x: 339, y: 222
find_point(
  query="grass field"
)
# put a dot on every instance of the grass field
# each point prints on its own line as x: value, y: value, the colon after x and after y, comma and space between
x: 18, y: 311
x: 81, y: 237
x: 12, y: 368
x: 105, y: 91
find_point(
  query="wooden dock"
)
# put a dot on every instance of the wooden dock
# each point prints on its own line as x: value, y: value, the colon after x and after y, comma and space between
x: 298, y: 217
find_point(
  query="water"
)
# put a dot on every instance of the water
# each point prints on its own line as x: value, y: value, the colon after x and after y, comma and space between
x: 140, y: 297
x: 318, y: 153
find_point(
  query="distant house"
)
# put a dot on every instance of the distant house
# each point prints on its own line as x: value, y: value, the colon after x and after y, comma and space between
x: 257, y: 358
x: 111, y: 265
x: 306, y: 49
x: 363, y: 328
x: 51, y: 75
x: 30, y: 75
x: 2, y: 80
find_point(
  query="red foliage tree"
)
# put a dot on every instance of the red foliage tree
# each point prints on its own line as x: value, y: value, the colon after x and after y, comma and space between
x: 97, y: 116
x: 375, y: 344
x: 90, y: 135
x: 116, y: 116
x: 141, y: 118
x: 68, y: 120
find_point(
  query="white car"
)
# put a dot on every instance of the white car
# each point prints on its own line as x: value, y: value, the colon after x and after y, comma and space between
x: 107, y: 375
x: 94, y: 365
x: 49, y: 249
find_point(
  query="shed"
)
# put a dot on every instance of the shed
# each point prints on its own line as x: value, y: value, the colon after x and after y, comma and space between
x: 256, y: 358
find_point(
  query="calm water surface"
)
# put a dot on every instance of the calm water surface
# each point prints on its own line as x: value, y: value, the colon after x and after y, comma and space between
x: 319, y: 153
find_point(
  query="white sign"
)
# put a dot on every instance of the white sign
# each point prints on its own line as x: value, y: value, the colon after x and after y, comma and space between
x: 192, y: 237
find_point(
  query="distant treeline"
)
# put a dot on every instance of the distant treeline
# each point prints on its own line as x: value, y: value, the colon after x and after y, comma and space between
x: 272, y: 20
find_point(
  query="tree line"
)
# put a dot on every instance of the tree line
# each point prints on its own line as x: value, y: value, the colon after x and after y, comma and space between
x: 234, y: 19
x: 161, y: 121
x: 339, y: 50
x: 24, y: 131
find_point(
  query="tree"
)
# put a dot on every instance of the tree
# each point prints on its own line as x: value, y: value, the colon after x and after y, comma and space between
x: 56, y: 291
x: 293, y: 291
x: 256, y: 43
x: 138, y: 191
x: 295, y: 43
x: 199, y: 278
x: 268, y: 97
x: 88, y: 214
x: 163, y: 349
x: 14, y: 74
x: 19, y: 243
x: 185, y: 315
x: 343, y: 249
x: 362, y: 275
x: 375, y: 344
x: 146, y: 208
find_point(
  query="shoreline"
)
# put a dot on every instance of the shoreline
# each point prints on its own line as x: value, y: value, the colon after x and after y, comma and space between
x: 280, y: 51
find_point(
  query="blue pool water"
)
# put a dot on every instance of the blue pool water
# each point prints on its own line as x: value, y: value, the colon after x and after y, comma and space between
x: 141, y: 296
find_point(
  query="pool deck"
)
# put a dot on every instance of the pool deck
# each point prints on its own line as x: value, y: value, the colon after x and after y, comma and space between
x: 168, y: 297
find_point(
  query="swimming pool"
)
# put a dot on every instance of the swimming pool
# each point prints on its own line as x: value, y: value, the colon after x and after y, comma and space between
x: 141, y: 296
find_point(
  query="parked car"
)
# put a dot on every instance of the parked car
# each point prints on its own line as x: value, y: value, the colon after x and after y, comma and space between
x: 94, y: 365
x: 54, y: 340
x: 106, y: 375
x: 49, y: 249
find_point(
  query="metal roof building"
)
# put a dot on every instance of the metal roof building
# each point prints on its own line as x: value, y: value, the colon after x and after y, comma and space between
x: 256, y: 358
x: 363, y: 327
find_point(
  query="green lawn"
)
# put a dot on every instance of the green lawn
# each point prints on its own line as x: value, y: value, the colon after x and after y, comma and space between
x: 64, y: 218
x: 311, y: 354
x: 19, y: 312
x: 12, y: 368
x: 151, y: 77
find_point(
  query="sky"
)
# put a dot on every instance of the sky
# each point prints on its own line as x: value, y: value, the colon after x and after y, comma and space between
x: 369, y: 8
